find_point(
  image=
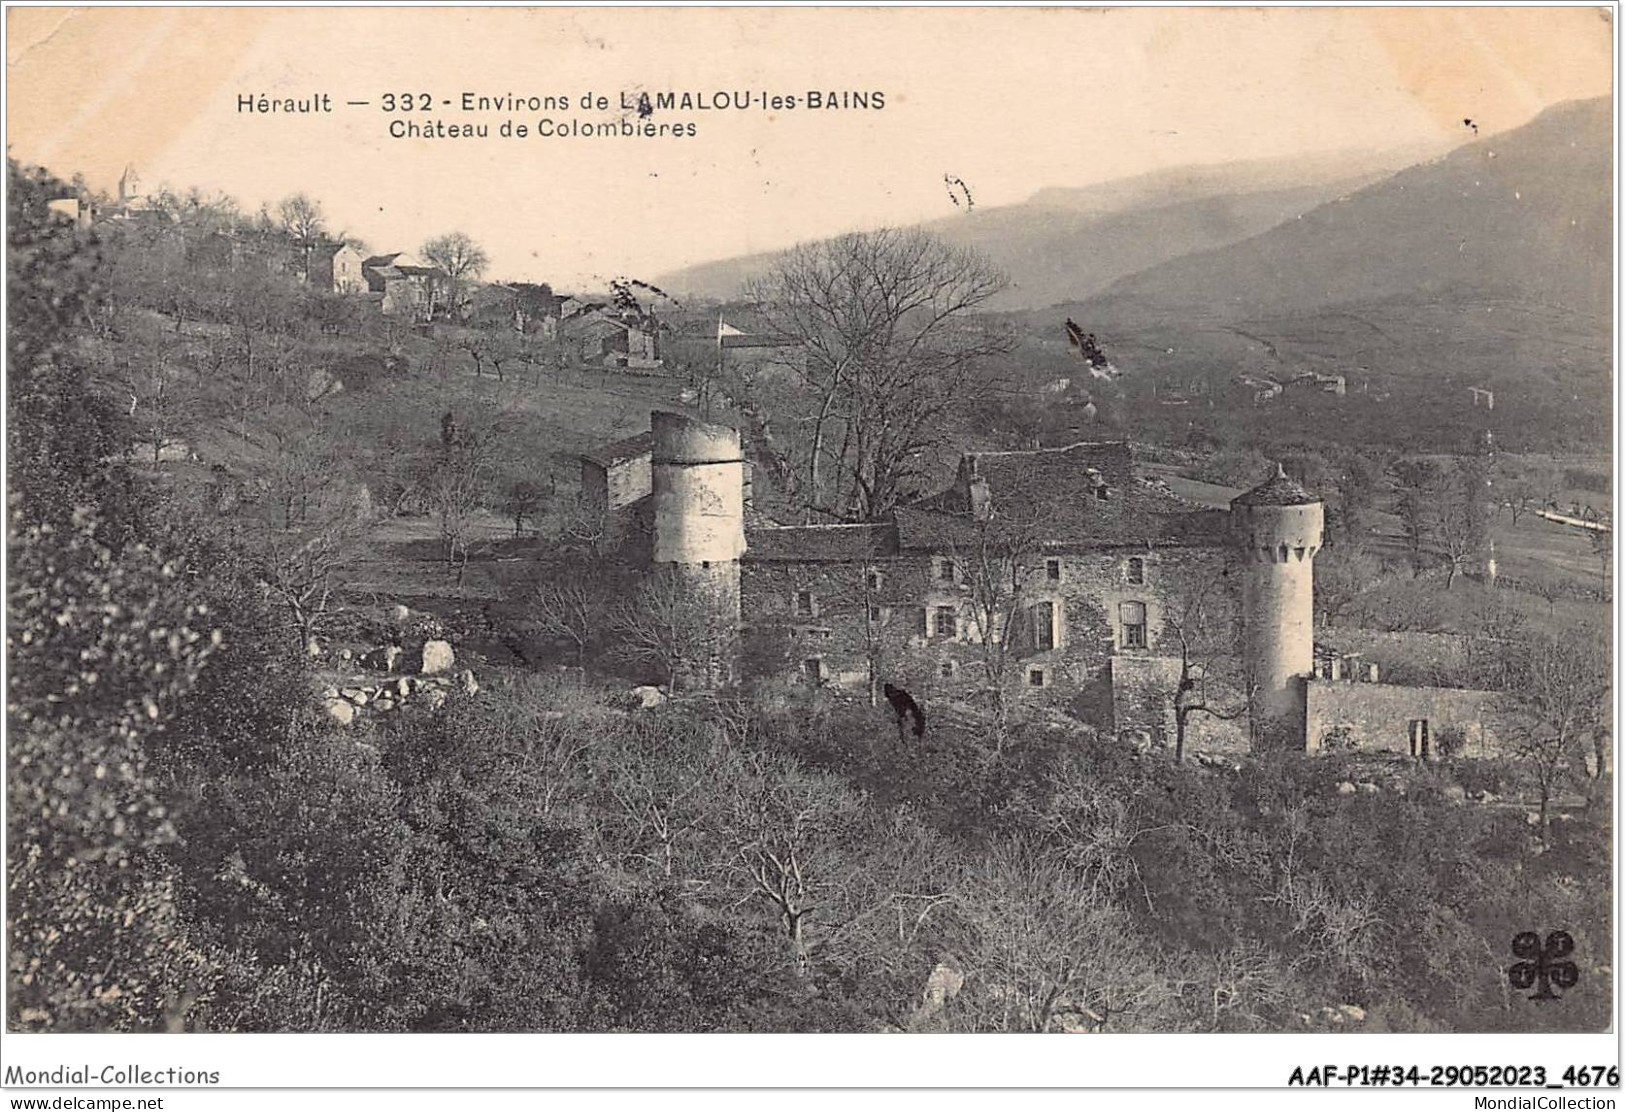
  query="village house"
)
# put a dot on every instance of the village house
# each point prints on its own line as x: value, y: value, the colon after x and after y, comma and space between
x: 335, y: 268
x: 605, y: 336
x: 407, y: 286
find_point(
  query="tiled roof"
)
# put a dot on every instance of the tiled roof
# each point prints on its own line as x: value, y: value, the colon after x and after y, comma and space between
x: 1055, y: 494
x: 821, y: 542
x: 619, y: 451
x: 1277, y: 491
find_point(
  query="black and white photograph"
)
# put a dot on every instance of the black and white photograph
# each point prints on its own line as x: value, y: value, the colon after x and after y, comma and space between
x: 910, y: 522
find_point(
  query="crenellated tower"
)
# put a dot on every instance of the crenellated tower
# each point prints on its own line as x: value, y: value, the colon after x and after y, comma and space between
x: 1278, y: 527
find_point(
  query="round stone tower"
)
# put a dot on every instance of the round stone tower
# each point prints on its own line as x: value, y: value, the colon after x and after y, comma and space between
x: 1278, y: 527
x: 697, y: 474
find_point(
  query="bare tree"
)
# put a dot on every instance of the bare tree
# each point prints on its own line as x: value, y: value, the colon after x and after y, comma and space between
x: 1344, y: 576
x: 1041, y: 954
x: 1002, y: 564
x: 1563, y: 689
x: 884, y: 322
x: 300, y: 568
x: 1442, y: 509
x: 526, y: 500
x: 684, y: 628
x: 1521, y: 495
x: 662, y: 808
x: 1203, y: 633
x: 792, y: 833
x: 1602, y: 547
x: 461, y: 258
x: 301, y: 218
x: 456, y: 482
x: 569, y: 610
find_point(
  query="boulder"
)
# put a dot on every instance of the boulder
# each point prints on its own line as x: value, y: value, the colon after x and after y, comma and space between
x: 340, y: 711
x: 384, y: 704
x: 647, y: 696
x: 330, y: 693
x: 355, y: 695
x: 400, y: 615
x: 943, y: 985
x: 1354, y: 1012
x: 381, y: 659
x: 437, y: 657
x: 471, y: 686
x: 346, y: 654
x: 313, y: 649
x: 1345, y: 788
x: 403, y: 687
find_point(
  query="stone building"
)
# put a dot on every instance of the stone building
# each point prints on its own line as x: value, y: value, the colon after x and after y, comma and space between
x: 1052, y: 575
x: 1065, y: 578
x: 616, y: 481
x: 407, y: 286
x: 335, y: 268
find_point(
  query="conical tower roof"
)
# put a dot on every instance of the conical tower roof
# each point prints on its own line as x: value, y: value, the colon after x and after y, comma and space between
x: 1278, y: 490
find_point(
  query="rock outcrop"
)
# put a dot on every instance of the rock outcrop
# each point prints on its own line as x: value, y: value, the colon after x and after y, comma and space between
x: 437, y: 657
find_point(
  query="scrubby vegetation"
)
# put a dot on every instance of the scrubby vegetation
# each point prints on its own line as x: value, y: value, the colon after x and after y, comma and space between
x: 192, y: 846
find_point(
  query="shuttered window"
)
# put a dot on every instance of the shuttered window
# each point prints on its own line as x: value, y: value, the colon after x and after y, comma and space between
x: 1044, y: 626
x: 1131, y: 616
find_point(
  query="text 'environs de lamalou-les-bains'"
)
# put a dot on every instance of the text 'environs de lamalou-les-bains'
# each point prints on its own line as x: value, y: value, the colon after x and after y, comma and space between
x: 630, y: 101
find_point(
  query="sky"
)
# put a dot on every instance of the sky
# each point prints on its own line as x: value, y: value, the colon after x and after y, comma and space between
x: 1007, y: 100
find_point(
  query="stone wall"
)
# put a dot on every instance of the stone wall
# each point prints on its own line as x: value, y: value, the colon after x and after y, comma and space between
x: 902, y: 635
x: 1142, y: 693
x: 615, y: 496
x: 1376, y: 716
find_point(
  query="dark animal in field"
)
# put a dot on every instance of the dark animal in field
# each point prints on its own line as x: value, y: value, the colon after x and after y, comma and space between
x: 903, y: 705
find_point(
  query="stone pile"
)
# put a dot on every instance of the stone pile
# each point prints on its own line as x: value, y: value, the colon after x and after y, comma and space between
x: 1344, y: 1015
x: 431, y: 692
x: 422, y: 678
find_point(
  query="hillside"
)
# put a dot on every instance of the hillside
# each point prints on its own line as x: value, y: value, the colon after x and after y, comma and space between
x: 1069, y: 244
x: 1522, y: 216
x: 1488, y: 267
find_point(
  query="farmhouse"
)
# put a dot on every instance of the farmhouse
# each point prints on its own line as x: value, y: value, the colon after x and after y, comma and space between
x: 406, y: 284
x: 335, y: 268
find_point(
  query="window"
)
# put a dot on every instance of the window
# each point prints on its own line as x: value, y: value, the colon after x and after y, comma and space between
x: 876, y: 582
x: 1132, y: 617
x: 806, y: 605
x: 1044, y: 626
x: 1100, y: 493
x: 877, y: 614
x: 1136, y: 570
x: 948, y: 669
x: 812, y: 670
x: 1419, y: 738
x: 944, y: 569
x: 1052, y: 570
x: 1036, y: 677
x: 945, y: 621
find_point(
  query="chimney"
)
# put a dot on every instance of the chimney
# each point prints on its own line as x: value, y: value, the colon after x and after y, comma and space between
x: 981, y: 498
x: 974, y: 489
x: 1334, y: 669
